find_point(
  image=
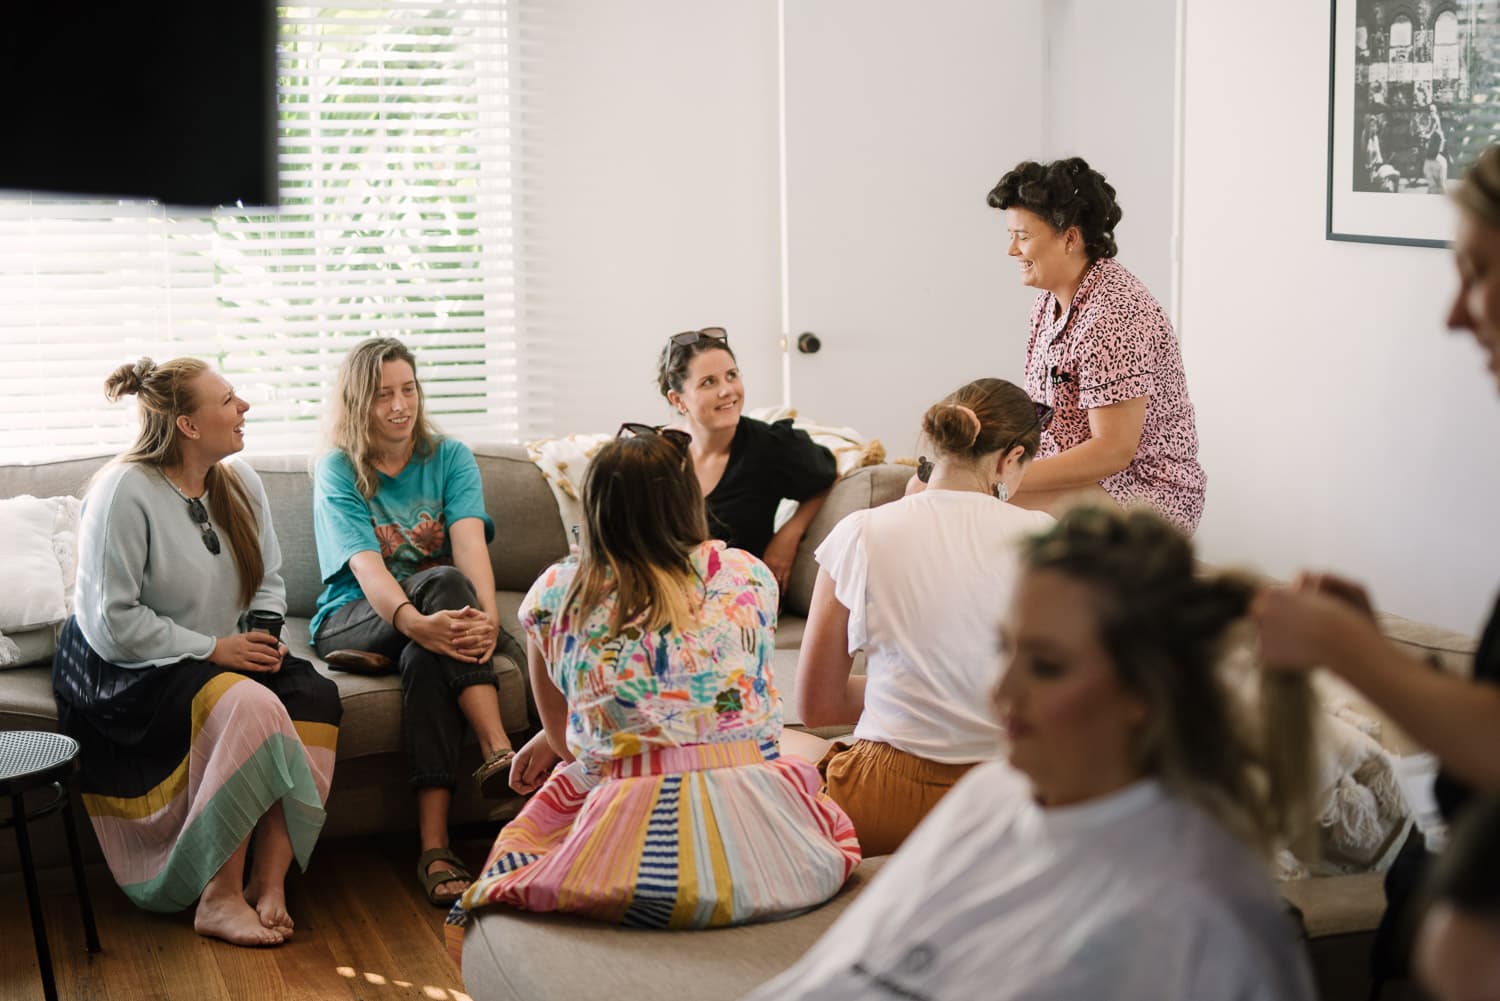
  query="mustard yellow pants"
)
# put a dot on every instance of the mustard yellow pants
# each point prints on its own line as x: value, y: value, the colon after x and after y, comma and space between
x: 885, y: 791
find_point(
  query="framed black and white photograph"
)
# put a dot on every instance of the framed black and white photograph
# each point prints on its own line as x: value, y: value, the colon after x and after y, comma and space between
x: 1414, y: 98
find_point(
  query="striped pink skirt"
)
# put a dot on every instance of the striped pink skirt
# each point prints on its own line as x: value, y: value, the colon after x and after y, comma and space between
x: 679, y: 837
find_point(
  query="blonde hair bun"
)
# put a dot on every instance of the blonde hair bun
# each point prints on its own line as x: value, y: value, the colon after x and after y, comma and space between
x: 128, y: 379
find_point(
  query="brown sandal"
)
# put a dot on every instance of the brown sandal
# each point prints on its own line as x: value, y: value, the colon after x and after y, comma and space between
x: 359, y: 662
x: 493, y: 777
x: 432, y: 880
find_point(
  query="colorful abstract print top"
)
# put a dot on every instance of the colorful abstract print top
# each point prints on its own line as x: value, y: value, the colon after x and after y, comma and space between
x: 408, y: 521
x: 640, y: 690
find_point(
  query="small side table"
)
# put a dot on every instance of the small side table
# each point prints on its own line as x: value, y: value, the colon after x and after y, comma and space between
x: 30, y: 760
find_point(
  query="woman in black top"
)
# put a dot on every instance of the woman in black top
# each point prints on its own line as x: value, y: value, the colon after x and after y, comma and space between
x: 745, y: 466
x: 1327, y: 620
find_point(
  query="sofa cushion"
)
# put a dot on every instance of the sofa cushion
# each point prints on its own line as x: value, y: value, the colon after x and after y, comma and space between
x: 529, y: 533
x: 869, y: 486
x: 27, y: 703
x: 33, y: 646
x: 372, y: 704
x: 1338, y: 905
x: 49, y: 479
x: 1450, y: 650
x: 512, y: 955
x: 289, y: 490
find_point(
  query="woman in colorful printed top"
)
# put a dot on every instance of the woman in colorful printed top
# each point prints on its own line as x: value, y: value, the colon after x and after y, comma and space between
x: 193, y: 734
x: 398, y: 513
x: 1102, y: 352
x: 745, y: 467
x: 650, y: 659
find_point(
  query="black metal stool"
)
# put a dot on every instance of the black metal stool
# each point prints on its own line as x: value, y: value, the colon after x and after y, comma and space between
x: 34, y: 759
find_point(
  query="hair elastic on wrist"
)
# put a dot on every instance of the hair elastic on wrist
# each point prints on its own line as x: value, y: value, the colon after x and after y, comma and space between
x: 397, y: 611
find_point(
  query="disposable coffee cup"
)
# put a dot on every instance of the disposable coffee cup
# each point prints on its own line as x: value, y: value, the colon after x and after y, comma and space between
x: 263, y: 621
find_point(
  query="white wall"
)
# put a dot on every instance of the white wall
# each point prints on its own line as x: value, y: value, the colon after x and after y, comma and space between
x: 651, y: 204
x: 1341, y: 426
x: 654, y: 199
x: 1109, y: 86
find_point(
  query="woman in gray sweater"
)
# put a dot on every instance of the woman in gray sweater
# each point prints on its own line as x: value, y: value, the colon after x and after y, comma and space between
x: 193, y: 734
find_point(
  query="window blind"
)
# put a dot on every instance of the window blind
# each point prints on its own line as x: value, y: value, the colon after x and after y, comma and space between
x: 400, y: 149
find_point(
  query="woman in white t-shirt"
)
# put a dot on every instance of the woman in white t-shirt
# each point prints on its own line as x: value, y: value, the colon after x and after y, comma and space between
x: 1120, y: 853
x: 919, y: 586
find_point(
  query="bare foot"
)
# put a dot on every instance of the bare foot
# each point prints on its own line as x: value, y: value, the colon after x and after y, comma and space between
x: 233, y: 920
x: 453, y: 886
x: 270, y: 904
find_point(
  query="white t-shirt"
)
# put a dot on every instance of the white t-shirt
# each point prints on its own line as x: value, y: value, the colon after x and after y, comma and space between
x: 1135, y: 896
x: 926, y: 580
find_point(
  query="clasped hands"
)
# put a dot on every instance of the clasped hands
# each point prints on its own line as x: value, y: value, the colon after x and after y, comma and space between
x: 463, y: 634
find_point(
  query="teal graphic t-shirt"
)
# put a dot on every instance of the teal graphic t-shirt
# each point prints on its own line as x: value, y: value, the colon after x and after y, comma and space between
x: 406, y: 521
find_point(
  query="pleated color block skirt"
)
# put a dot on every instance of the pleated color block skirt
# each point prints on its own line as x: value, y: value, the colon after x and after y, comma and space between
x: 682, y: 837
x: 180, y: 762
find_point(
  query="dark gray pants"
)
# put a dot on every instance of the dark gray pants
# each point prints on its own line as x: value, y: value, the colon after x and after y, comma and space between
x: 432, y: 725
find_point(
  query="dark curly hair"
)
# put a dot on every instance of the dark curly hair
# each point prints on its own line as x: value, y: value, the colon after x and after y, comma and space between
x: 1065, y: 193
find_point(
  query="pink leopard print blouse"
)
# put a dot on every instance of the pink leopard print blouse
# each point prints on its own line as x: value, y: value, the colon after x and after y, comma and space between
x: 1114, y: 344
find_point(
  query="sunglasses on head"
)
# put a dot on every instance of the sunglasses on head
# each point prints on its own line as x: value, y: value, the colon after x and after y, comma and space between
x: 200, y: 518
x: 681, y: 439
x: 1041, y: 421
x: 1043, y: 418
x: 690, y: 337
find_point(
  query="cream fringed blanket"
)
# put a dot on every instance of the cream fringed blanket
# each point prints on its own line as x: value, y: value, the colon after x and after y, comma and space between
x: 851, y: 450
x: 563, y: 462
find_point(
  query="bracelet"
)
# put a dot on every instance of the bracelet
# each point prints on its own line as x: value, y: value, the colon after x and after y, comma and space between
x: 396, y: 612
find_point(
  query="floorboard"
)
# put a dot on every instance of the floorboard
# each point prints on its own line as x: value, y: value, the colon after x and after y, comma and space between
x: 364, y: 933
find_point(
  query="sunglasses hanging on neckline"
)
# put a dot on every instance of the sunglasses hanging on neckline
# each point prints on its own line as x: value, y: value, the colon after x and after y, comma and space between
x: 199, y: 514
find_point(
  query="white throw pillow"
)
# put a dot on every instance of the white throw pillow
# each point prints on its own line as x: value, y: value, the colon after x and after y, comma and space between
x: 35, y: 592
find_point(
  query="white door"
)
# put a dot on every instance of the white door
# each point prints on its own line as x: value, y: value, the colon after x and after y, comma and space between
x: 900, y: 117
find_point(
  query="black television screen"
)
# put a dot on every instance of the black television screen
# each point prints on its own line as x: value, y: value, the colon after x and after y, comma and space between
x: 173, y: 100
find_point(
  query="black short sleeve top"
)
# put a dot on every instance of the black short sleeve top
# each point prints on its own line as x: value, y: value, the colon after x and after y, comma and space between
x: 767, y: 462
x: 1452, y: 794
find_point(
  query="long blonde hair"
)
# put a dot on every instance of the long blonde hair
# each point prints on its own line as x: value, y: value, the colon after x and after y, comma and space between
x: 354, y: 396
x: 1166, y: 629
x: 643, y: 519
x: 163, y: 393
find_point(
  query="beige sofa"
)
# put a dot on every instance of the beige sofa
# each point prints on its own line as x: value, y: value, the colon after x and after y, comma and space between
x: 370, y: 791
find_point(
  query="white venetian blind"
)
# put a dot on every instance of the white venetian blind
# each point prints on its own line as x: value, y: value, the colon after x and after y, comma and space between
x: 399, y: 153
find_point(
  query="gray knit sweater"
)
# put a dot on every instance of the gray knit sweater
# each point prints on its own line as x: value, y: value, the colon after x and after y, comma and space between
x: 149, y: 592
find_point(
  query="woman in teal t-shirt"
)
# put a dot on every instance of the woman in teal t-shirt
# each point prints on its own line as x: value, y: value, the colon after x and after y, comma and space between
x: 399, y: 517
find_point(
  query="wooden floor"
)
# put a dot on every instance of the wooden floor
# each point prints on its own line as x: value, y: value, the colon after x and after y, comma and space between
x: 364, y: 931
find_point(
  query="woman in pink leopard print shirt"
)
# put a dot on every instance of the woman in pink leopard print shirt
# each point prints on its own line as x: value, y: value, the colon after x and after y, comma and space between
x: 1102, y: 352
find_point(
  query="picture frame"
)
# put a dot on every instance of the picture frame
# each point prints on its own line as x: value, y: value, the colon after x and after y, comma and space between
x: 1408, y: 114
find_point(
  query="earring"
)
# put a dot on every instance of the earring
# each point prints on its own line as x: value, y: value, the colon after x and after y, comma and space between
x: 1002, y: 492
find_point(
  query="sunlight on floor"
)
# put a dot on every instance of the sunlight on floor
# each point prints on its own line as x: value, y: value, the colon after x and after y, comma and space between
x: 436, y: 993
